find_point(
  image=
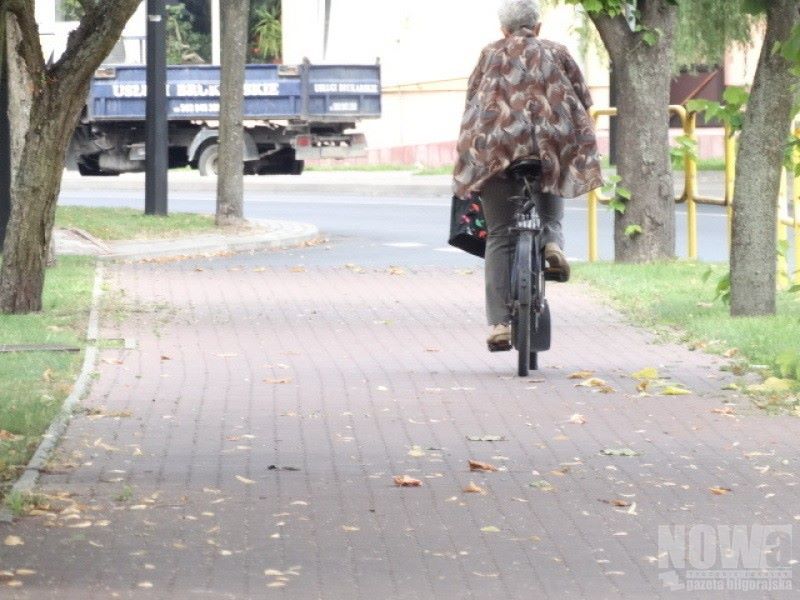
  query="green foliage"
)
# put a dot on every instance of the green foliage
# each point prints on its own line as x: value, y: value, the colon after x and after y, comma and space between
x: 266, y: 31
x: 730, y: 111
x: 70, y: 10
x: 685, y: 147
x: 722, y: 289
x: 185, y: 44
x: 633, y: 230
x: 619, y: 195
x: 706, y: 28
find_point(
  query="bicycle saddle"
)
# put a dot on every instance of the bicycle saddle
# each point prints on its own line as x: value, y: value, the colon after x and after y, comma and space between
x: 525, y: 168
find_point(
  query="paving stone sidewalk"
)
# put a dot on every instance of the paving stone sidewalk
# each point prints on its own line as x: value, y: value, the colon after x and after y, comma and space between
x: 246, y: 448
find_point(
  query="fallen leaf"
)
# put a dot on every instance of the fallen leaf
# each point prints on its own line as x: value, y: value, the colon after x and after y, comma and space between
x: 144, y: 585
x: 245, y: 480
x: 13, y: 540
x: 298, y: 269
x: 580, y: 375
x: 416, y: 452
x: 618, y: 452
x: 719, y: 490
x: 278, y: 381
x: 672, y: 390
x: 396, y: 271
x: 725, y: 410
x: 490, y: 529
x: 475, y: 465
x: 406, y: 481
x: 165, y: 357
x: 646, y: 373
x: 473, y: 489
x: 541, y: 484
x: 577, y: 419
x: 617, y: 502
x: 350, y: 528
x: 596, y: 383
x: 486, y: 438
x: 730, y: 352
x: 8, y: 436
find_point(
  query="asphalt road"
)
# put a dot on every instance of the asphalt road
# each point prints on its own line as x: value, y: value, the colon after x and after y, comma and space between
x: 373, y: 218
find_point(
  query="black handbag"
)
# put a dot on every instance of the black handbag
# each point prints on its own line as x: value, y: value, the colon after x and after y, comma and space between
x: 468, y: 226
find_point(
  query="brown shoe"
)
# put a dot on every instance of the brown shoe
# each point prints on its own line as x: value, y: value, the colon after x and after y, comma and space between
x: 556, y: 262
x: 499, y: 339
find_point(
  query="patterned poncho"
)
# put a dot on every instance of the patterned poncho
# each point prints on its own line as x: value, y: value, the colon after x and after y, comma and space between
x: 527, y: 97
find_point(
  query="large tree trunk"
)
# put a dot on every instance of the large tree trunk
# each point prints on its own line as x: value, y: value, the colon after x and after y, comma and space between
x: 230, y: 182
x: 758, y: 171
x: 643, y: 75
x: 45, y: 105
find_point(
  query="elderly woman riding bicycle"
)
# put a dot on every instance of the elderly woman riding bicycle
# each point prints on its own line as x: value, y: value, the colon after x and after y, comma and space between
x: 526, y: 98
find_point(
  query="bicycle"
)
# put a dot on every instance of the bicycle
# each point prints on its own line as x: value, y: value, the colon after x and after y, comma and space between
x: 530, y: 312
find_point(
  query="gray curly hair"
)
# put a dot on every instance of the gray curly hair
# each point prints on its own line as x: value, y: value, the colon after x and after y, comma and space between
x: 516, y: 14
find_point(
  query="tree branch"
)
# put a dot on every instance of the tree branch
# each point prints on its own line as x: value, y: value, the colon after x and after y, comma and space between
x: 614, y: 31
x: 29, y: 47
x: 93, y: 40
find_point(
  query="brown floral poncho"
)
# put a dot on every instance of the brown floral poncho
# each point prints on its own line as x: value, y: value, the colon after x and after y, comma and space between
x: 527, y: 97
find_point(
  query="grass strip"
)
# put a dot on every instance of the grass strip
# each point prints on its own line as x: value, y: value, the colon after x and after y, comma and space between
x: 673, y: 294
x: 110, y: 224
x: 34, y: 385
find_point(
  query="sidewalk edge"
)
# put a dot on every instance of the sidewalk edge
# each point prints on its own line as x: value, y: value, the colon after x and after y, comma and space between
x: 296, y: 235
x: 52, y: 436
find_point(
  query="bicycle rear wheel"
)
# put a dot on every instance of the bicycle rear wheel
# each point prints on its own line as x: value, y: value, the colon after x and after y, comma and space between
x: 523, y: 284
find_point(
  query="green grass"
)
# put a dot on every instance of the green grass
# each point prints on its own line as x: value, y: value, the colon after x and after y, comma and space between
x: 674, y: 295
x: 33, y: 385
x: 131, y: 224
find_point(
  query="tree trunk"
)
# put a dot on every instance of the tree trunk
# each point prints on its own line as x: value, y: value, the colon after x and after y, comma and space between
x: 758, y: 170
x: 230, y: 168
x: 45, y: 103
x: 643, y: 76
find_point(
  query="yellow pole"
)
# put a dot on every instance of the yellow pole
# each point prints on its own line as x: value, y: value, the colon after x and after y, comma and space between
x: 730, y: 176
x: 690, y: 185
x: 593, y: 226
x: 592, y: 214
x: 796, y: 209
x: 783, y: 234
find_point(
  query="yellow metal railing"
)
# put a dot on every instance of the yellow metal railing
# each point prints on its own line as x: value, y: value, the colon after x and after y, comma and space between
x: 692, y: 198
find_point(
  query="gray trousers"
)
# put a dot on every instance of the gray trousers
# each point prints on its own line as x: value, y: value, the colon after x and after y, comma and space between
x: 500, y: 245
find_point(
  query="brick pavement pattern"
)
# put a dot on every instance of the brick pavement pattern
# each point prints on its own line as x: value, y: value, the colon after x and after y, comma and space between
x: 246, y: 447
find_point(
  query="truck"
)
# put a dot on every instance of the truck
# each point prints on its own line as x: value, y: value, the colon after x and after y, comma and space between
x: 292, y: 113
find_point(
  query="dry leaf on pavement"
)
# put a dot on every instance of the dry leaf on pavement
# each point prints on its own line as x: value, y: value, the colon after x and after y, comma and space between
x: 646, y: 373
x: 596, y: 383
x: 673, y: 390
x: 719, y: 490
x: 406, y: 481
x: 580, y: 375
x: 13, y: 540
x: 473, y: 489
x: 577, y: 419
x: 617, y: 502
x: 245, y: 480
x: 475, y: 465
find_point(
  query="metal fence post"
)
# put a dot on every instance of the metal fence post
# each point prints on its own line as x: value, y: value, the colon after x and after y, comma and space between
x: 690, y: 182
x: 730, y: 177
x: 783, y: 234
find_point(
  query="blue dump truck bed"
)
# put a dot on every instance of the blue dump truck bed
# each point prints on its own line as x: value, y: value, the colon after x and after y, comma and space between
x: 320, y: 93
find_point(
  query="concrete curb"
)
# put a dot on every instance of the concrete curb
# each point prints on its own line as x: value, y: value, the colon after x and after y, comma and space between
x: 52, y: 436
x: 282, y: 234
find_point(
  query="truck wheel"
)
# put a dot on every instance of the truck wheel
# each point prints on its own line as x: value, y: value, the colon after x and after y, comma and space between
x: 297, y: 167
x: 207, y: 163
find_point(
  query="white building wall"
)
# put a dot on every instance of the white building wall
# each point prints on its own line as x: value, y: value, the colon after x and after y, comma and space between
x: 427, y: 49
